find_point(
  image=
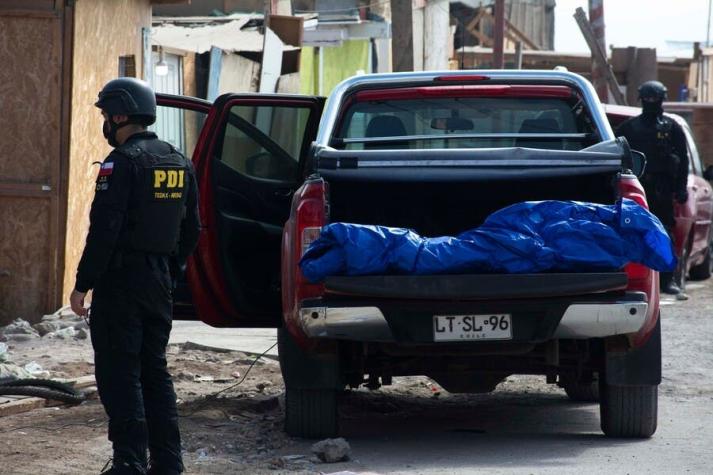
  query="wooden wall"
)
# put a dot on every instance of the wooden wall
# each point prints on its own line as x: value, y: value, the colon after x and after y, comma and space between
x: 104, y: 30
x: 31, y: 109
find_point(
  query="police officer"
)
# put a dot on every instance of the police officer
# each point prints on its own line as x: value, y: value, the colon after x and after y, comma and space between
x: 663, y: 142
x: 143, y: 222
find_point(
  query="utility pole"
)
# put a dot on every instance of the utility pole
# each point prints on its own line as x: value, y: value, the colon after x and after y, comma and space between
x: 499, y: 35
x: 708, y: 27
x: 599, y: 71
x: 402, y: 35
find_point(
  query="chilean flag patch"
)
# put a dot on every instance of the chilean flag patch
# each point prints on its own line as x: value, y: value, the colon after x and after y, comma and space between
x: 106, y: 169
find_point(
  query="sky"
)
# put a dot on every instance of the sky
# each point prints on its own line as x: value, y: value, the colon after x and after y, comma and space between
x: 642, y: 23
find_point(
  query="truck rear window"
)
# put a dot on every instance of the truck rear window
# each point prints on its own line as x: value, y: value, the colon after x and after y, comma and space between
x: 429, y: 122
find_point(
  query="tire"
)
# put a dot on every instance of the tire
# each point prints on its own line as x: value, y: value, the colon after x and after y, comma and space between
x: 703, y: 270
x: 312, y: 385
x: 41, y: 392
x: 311, y: 413
x: 629, y: 411
x: 582, y: 392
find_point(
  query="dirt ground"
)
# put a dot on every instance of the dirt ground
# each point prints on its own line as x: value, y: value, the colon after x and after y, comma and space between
x: 404, y: 428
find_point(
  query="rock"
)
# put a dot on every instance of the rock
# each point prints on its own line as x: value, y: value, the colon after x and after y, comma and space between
x: 332, y: 450
x: 262, y: 386
x: 235, y: 374
x: 46, y: 327
x: 63, y: 334
x: 81, y: 334
x: 11, y: 371
x: 82, y: 325
x: 18, y: 327
x: 3, y: 352
x: 36, y: 370
x: 203, y: 379
x: 20, y: 338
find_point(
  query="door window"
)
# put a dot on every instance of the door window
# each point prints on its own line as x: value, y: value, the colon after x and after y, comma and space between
x: 179, y: 127
x: 265, y: 141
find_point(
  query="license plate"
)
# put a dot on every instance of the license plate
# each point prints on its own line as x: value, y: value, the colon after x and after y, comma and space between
x: 472, y: 327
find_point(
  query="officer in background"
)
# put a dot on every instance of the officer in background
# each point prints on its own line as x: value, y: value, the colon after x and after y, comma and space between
x: 143, y: 221
x: 663, y: 142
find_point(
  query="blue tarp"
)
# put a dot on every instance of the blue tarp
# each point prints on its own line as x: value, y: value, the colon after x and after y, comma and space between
x: 530, y: 237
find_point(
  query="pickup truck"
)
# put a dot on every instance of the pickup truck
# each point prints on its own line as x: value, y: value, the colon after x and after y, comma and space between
x: 436, y: 152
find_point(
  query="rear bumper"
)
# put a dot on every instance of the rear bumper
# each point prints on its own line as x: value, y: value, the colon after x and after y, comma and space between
x: 534, y: 321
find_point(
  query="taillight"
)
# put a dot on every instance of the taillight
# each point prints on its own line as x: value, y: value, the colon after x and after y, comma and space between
x: 629, y: 187
x: 309, y: 235
x: 309, y: 214
x: 641, y: 278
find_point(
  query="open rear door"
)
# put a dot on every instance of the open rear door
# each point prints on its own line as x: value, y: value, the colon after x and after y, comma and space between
x: 250, y: 160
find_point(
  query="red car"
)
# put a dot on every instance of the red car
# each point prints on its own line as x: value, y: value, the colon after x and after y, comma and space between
x: 438, y: 153
x: 692, y: 235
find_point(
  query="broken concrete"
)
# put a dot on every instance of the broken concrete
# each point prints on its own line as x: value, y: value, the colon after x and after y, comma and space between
x: 18, y: 327
x: 332, y: 450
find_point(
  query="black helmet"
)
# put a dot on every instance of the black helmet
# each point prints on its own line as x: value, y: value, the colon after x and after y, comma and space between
x: 131, y: 97
x: 652, y: 91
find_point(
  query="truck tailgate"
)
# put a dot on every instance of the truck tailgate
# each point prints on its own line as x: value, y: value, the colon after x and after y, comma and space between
x: 477, y: 287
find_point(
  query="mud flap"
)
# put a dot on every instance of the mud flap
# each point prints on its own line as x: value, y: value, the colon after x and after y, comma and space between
x: 302, y: 370
x: 640, y: 367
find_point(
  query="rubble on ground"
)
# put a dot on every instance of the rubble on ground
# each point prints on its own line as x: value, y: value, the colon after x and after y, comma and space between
x: 63, y: 324
x: 332, y: 450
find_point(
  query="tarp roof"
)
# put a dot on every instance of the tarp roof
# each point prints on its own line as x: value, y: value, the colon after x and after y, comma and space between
x: 230, y: 37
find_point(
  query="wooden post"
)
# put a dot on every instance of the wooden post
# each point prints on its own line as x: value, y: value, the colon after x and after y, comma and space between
x: 518, y: 55
x: 599, y: 71
x: 598, y: 55
x: 436, y: 30
x: 499, y: 35
x: 402, y: 35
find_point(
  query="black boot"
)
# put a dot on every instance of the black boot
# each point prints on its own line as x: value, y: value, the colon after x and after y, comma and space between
x: 668, y: 284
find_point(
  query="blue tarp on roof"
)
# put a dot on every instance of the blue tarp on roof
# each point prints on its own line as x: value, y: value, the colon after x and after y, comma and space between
x: 529, y: 237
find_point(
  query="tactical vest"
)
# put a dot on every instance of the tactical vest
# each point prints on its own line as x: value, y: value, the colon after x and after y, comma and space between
x: 158, y: 199
x: 664, y: 161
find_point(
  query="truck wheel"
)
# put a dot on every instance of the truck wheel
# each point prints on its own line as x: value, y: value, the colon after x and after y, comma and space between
x: 312, y: 384
x: 311, y: 413
x: 582, y: 392
x: 629, y: 411
x: 703, y: 270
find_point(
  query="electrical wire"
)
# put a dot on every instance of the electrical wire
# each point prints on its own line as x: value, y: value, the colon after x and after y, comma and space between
x: 213, y: 396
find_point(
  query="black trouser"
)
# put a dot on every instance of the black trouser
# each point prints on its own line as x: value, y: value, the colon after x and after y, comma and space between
x: 130, y: 325
x: 659, y: 194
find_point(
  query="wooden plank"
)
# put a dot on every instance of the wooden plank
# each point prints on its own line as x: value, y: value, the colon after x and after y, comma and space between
x: 21, y: 405
x: 271, y: 62
x: 599, y: 55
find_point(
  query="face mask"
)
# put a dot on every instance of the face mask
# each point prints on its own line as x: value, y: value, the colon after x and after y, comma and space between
x: 652, y: 109
x: 109, y: 130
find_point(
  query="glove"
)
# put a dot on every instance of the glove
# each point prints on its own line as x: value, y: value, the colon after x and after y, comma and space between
x: 682, y: 196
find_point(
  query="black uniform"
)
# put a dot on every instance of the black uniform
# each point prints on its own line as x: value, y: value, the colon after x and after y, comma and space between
x: 144, y: 217
x: 663, y: 142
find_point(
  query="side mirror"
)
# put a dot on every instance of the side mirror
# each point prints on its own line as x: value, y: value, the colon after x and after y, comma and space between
x: 708, y: 173
x: 638, y: 163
